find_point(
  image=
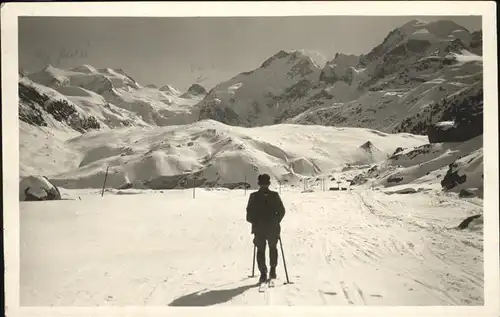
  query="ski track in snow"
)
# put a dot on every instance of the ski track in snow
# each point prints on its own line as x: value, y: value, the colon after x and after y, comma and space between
x: 345, y: 248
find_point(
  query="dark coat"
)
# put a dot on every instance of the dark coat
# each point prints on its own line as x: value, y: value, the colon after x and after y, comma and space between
x: 265, y: 211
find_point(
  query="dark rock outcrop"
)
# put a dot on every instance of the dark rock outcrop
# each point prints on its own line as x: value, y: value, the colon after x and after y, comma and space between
x: 452, y: 179
x: 476, y: 44
x: 196, y: 90
x: 465, y: 224
x: 454, y: 132
x: 222, y: 113
x: 464, y: 108
x: 465, y: 193
x: 32, y: 104
x: 394, y: 179
x: 396, y: 152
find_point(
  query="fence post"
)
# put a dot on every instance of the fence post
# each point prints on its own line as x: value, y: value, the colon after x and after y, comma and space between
x: 105, y: 178
x: 194, y: 188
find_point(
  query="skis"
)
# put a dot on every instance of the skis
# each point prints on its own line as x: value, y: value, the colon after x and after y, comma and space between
x: 269, y: 283
x: 262, y: 287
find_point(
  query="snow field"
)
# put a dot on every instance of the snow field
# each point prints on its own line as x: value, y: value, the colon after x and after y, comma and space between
x: 166, y: 248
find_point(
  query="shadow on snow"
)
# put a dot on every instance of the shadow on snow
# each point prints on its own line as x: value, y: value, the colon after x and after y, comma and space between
x: 211, y: 297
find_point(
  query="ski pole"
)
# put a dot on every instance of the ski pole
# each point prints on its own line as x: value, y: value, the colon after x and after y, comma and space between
x: 253, y: 265
x: 284, y: 262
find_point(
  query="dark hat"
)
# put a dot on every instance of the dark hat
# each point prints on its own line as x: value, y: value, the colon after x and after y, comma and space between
x: 264, y: 179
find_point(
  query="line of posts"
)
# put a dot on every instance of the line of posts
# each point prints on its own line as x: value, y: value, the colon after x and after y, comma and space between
x: 304, y: 181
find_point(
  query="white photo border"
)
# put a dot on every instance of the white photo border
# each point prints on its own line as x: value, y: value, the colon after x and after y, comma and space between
x: 10, y: 132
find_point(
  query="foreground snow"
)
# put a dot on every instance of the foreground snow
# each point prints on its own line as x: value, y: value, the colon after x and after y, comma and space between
x: 354, y: 247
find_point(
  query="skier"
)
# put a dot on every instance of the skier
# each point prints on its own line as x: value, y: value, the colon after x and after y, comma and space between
x: 265, y: 211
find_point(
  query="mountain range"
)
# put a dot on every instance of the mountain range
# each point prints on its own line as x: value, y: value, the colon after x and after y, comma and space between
x: 421, y: 75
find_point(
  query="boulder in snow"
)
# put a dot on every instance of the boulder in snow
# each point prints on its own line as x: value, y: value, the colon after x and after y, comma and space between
x: 359, y: 179
x: 465, y: 193
x: 452, y: 179
x: 37, y: 188
x: 196, y: 90
x: 398, y: 150
x: 408, y: 190
x: 394, y: 179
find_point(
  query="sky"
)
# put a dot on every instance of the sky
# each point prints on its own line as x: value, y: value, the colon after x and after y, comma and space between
x: 181, y: 51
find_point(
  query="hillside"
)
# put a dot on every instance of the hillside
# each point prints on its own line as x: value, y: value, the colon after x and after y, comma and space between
x: 217, y: 154
x: 451, y: 167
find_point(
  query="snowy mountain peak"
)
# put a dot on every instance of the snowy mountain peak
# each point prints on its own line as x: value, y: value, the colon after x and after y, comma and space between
x: 439, y: 28
x: 297, y: 54
x: 196, y: 90
x: 87, y: 69
x: 169, y: 89
x: 261, y: 96
x: 290, y: 56
x: 410, y: 26
x: 122, y: 72
x: 279, y: 55
x: 48, y: 67
x: 339, y: 68
x: 435, y: 31
x: 316, y: 56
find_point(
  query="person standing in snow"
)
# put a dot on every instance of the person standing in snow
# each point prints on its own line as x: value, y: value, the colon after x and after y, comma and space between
x: 265, y: 211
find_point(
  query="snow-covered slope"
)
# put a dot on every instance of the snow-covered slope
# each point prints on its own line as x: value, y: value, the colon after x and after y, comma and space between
x: 56, y: 105
x: 43, y: 106
x: 165, y: 248
x: 219, y: 154
x: 449, y: 167
x: 43, y: 150
x: 116, y: 99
